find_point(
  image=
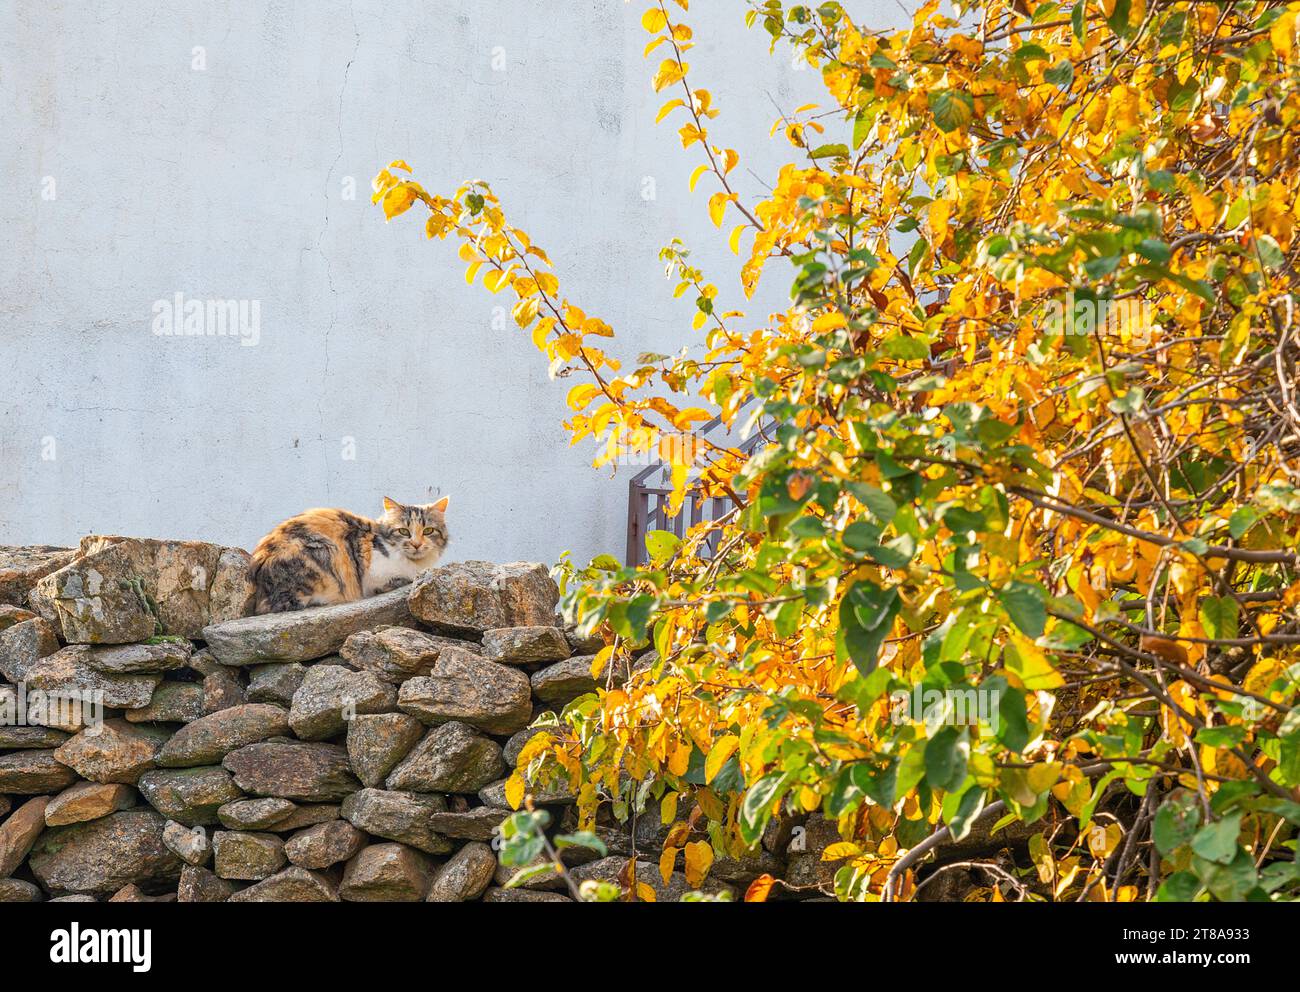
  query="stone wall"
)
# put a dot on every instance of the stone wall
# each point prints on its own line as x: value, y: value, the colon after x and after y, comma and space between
x: 356, y: 752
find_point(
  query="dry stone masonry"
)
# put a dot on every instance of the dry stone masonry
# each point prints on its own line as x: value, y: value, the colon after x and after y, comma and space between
x: 355, y: 752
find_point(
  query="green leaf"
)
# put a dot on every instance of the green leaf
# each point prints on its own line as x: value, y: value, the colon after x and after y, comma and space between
x: 1219, y: 617
x: 866, y: 615
x: 1025, y: 605
x: 1217, y: 842
x: 661, y: 544
x: 952, y: 109
x: 756, y: 809
x: 945, y: 759
x: 583, y: 838
x: 1175, y: 822
x: 961, y: 812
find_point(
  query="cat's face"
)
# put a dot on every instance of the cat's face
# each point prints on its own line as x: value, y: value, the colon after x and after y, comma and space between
x: 420, y: 532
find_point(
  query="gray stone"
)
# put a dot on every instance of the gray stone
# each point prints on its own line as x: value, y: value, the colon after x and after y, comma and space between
x: 191, y: 844
x: 137, y: 659
x: 301, y: 772
x: 68, y: 671
x: 133, y: 893
x: 516, y: 743
x: 465, y: 875
x: 475, y: 596
x: 479, y: 823
x: 19, y: 832
x: 103, y: 855
x: 190, y: 796
x: 566, y: 680
x: 231, y: 593
x: 554, y: 794
x: 450, y: 758
x: 53, y: 710
x: 116, y: 752
x: 185, y: 584
x: 308, y: 815
x: 395, y: 654
x: 303, y: 635
x: 205, y: 663
x: 525, y: 645
x: 294, y: 884
x: 198, y: 884
x: 465, y: 687
x: 11, y: 615
x: 172, y: 702
x: 75, y: 897
x: 377, y: 742
x: 386, y: 873
x: 33, y: 772
x: 324, y: 845
x: 23, y: 644
x: 331, y: 694
x: 275, y: 683
x: 247, y: 857
x: 580, y: 643
x: 22, y: 567
x: 23, y: 738
x: 208, y: 739
x: 398, y: 816
x: 611, y: 870
x: 221, y: 691
x: 18, y: 890
x: 84, y: 801
x: 100, y: 599
x: 522, y: 895
x: 255, y: 814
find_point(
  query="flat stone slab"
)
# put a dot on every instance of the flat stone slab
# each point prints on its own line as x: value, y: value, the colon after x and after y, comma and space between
x: 475, y: 596
x: 303, y: 635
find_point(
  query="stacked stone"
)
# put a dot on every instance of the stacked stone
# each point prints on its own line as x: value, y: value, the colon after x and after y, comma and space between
x: 355, y: 752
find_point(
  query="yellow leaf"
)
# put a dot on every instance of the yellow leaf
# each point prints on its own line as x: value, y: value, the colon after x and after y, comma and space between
x: 547, y: 283
x: 1282, y: 34
x: 579, y: 396
x: 644, y: 892
x: 734, y: 240
x: 695, y: 175
x: 515, y: 789
x: 398, y: 200
x: 718, y: 207
x: 667, y: 862
x: 670, y: 71
x: 668, y: 108
x: 699, y: 859
x: 840, y: 851
x: 472, y: 272
x: 668, y: 808
x: 601, y: 658
x: 1203, y: 209
x: 525, y: 311
x: 653, y: 20
x: 723, y: 748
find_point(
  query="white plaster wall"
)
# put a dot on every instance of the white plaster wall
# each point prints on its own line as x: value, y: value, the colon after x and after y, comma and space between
x: 228, y: 182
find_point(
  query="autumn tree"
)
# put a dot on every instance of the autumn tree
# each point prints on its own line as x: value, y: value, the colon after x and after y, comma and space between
x: 1030, y: 434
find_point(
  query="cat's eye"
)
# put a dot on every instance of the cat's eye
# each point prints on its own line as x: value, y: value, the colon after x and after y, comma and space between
x: 403, y: 531
x: 430, y: 530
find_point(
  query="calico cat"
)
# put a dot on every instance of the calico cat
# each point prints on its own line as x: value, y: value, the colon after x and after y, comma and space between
x: 322, y: 557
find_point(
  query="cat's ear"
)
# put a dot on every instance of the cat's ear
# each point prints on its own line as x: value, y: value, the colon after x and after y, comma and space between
x: 441, y: 505
x: 391, y: 505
